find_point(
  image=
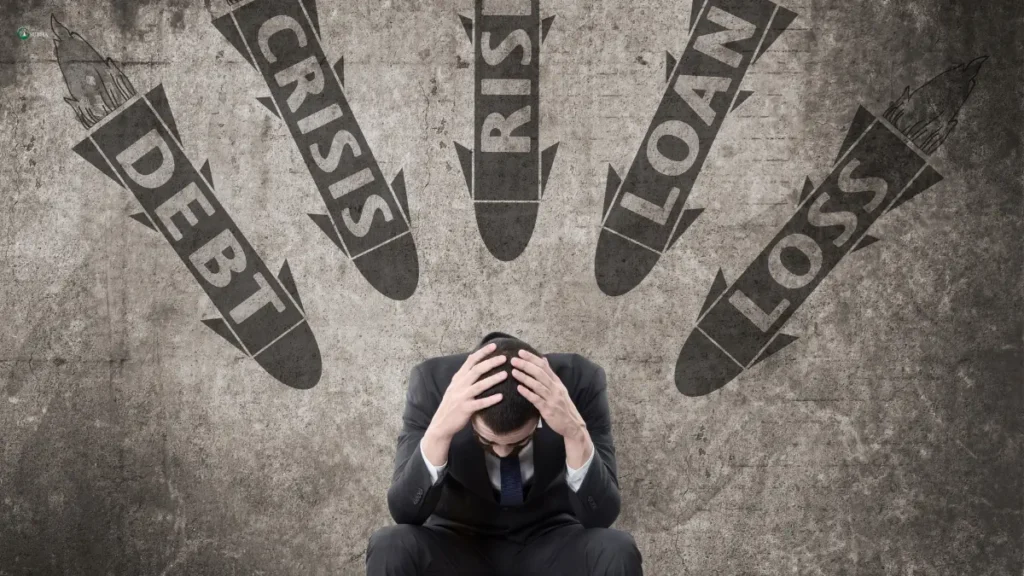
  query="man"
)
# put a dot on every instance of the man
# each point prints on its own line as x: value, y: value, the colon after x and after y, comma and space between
x: 505, y: 466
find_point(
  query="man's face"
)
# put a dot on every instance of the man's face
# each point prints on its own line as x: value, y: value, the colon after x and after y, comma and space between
x: 502, y: 445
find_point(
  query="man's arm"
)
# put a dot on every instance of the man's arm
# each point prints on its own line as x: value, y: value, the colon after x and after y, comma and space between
x: 597, y: 501
x: 429, y: 423
x: 413, y: 493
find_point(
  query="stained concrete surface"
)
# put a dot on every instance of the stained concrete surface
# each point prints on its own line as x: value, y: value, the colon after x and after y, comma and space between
x: 886, y: 440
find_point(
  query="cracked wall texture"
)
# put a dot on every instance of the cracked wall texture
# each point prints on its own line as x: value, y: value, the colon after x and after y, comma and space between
x: 886, y: 440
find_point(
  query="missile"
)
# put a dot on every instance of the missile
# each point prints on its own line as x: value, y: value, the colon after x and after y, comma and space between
x: 506, y: 171
x: 882, y: 163
x: 644, y: 212
x: 367, y: 219
x: 134, y: 140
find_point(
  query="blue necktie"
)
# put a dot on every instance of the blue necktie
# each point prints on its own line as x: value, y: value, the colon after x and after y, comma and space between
x: 511, y: 481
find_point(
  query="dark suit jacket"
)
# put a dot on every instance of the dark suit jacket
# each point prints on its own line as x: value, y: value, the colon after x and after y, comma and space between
x: 464, y: 499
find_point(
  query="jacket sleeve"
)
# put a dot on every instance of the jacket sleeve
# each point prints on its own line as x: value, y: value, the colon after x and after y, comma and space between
x: 597, y: 502
x: 412, y: 495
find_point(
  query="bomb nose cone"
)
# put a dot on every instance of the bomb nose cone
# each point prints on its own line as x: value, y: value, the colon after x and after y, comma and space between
x: 392, y: 269
x: 702, y: 367
x: 294, y: 359
x: 506, y: 227
x: 621, y: 265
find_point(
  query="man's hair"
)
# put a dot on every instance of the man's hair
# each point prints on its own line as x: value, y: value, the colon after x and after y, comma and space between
x: 514, y: 410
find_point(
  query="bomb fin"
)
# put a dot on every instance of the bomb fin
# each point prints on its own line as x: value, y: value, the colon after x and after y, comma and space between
x: 313, y: 16
x: 688, y: 218
x: 547, y: 160
x: 928, y: 178
x: 695, y: 11
x: 614, y: 181
x: 670, y: 65
x: 325, y: 224
x: 398, y: 187
x: 268, y: 103
x: 158, y: 98
x: 466, y: 161
x: 861, y: 120
x: 717, y: 287
x: 207, y: 172
x: 545, y: 27
x: 227, y: 28
x: 865, y: 241
x: 806, y: 192
x: 285, y: 276
x: 143, y: 218
x: 783, y: 18
x: 221, y: 328
x: 741, y: 98
x: 775, y: 346
x: 91, y: 154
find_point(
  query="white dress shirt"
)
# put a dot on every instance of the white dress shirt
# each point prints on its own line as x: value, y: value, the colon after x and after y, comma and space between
x: 573, y: 476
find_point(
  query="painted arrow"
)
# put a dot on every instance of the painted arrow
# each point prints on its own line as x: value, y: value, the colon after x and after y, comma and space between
x: 281, y: 40
x: 506, y: 171
x: 882, y: 163
x: 134, y: 140
x: 644, y: 213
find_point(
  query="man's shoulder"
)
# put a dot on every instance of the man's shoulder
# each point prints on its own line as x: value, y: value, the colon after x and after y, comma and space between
x: 439, y: 364
x: 589, y: 378
x: 585, y: 365
x: 437, y: 371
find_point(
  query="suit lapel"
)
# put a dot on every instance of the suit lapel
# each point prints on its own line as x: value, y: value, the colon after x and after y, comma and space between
x: 468, y: 465
x: 469, y: 468
x: 548, y: 460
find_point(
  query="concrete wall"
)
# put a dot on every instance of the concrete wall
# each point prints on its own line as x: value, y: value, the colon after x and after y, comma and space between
x: 886, y: 440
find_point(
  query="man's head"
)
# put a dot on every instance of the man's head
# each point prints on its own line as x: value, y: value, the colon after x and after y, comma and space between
x: 506, y: 427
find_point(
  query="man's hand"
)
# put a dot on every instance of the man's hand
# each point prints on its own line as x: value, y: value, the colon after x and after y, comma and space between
x: 459, y: 403
x: 542, y: 387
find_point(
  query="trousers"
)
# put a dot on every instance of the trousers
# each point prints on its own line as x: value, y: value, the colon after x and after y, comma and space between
x: 413, y: 550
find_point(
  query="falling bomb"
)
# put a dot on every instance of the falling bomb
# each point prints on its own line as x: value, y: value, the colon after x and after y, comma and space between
x: 134, y: 140
x: 882, y: 163
x: 368, y: 220
x: 506, y: 172
x: 644, y: 214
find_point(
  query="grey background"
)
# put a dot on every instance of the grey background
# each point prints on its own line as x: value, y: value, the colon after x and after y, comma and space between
x: 886, y: 440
